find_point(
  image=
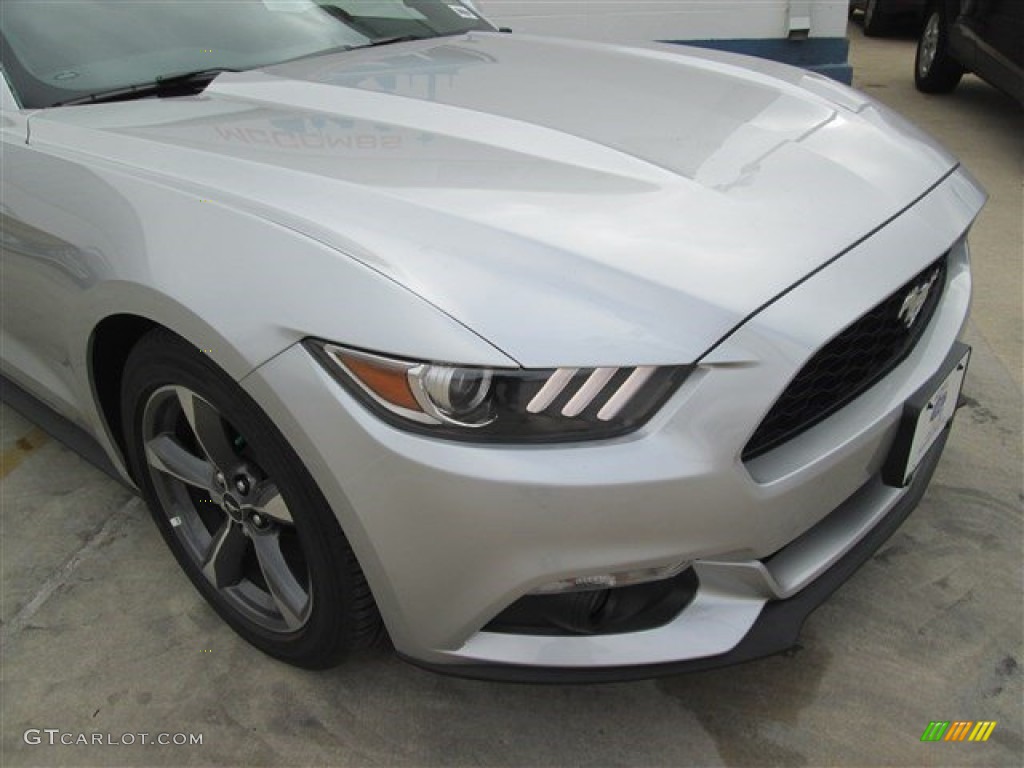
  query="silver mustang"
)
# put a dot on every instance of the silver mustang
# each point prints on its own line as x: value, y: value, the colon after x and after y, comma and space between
x: 545, y: 359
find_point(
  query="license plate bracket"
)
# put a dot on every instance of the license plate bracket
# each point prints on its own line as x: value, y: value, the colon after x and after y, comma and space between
x: 925, y: 416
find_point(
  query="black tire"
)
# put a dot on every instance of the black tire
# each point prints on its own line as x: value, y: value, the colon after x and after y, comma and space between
x: 935, y: 69
x: 876, y: 22
x: 338, y: 614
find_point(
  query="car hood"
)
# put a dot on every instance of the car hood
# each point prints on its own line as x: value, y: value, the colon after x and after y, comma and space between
x: 572, y: 203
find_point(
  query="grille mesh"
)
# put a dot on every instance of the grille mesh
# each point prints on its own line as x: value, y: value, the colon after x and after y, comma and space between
x: 851, y: 363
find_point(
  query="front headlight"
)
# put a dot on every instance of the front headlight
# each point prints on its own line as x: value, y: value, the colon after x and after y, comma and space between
x: 501, y: 405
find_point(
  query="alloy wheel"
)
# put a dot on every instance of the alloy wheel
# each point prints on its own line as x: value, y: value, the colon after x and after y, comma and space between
x: 929, y: 45
x: 226, y: 510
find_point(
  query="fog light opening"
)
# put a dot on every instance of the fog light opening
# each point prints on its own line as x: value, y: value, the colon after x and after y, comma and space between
x: 637, y: 600
x: 612, y: 580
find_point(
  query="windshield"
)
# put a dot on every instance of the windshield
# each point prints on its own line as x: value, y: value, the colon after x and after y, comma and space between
x: 60, y: 50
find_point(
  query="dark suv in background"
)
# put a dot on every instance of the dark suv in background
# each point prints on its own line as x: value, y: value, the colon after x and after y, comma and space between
x: 985, y: 37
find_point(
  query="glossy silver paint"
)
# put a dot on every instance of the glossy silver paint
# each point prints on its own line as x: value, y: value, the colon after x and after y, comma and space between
x: 500, y: 200
x: 675, y: 490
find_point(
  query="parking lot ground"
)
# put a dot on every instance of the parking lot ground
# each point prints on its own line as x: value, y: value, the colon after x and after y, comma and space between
x: 102, y: 634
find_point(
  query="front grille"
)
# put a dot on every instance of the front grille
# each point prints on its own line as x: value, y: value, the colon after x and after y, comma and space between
x: 853, y: 361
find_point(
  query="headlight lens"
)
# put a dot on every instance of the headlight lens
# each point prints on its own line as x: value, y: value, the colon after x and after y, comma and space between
x: 454, y: 392
x: 501, y: 405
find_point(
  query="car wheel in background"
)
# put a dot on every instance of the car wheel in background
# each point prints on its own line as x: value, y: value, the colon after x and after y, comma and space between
x: 876, y: 23
x: 239, y: 510
x: 935, y: 70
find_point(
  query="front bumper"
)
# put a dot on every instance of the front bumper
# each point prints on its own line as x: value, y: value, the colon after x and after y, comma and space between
x: 450, y: 534
x: 776, y: 629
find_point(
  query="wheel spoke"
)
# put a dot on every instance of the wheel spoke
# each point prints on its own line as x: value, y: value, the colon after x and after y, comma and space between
x: 209, y: 429
x: 930, y: 44
x: 289, y: 596
x: 270, y: 503
x: 223, y: 566
x: 165, y: 454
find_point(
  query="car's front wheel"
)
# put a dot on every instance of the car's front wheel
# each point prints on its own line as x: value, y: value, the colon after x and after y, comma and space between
x: 239, y: 510
x: 935, y: 69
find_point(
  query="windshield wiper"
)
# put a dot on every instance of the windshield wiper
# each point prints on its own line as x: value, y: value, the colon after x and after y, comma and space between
x: 389, y: 40
x: 193, y: 81
x: 346, y: 48
x: 371, y: 44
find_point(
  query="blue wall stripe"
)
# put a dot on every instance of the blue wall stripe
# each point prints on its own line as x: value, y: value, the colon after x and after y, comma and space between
x: 827, y: 55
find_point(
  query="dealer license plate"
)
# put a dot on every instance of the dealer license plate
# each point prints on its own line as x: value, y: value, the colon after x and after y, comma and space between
x: 927, y: 414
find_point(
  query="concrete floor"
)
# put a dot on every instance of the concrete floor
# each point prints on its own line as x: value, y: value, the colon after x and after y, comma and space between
x: 102, y: 633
